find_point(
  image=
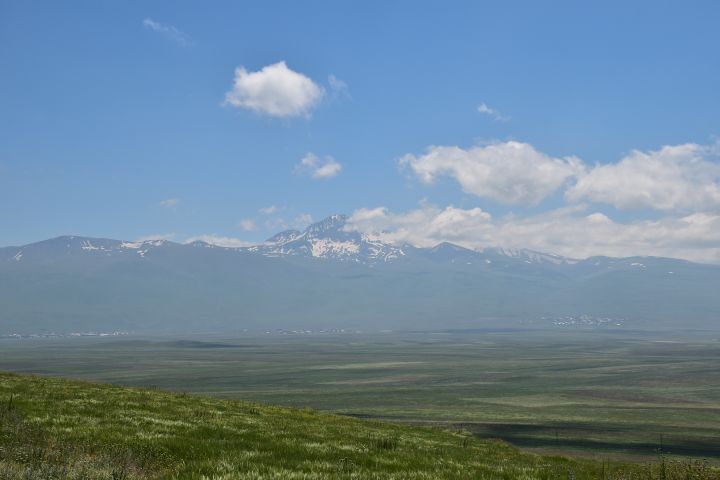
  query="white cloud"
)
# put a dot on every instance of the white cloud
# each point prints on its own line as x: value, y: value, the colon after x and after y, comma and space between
x: 568, y: 231
x: 693, y: 237
x: 317, y: 168
x: 168, y: 31
x: 682, y: 180
x: 509, y: 172
x: 170, y: 202
x: 497, y: 116
x: 248, y: 224
x: 674, y: 178
x: 424, y: 227
x: 274, y: 90
x: 220, y: 240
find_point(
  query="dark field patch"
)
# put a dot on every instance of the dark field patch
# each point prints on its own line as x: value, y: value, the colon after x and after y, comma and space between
x: 569, y: 437
x: 199, y: 344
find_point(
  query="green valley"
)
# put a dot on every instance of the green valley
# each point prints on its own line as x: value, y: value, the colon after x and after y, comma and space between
x: 53, y: 428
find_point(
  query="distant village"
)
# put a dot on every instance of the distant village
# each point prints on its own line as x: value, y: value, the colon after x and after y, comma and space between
x: 583, y: 321
x: 22, y: 336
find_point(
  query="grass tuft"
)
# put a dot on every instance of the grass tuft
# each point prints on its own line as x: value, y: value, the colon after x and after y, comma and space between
x: 385, y: 443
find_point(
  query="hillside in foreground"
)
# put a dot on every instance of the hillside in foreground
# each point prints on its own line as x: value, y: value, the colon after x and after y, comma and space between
x: 54, y: 428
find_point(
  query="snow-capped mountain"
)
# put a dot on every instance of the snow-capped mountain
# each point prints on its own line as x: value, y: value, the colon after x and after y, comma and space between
x: 329, y: 239
x: 328, y: 277
x: 66, y: 247
x: 529, y: 256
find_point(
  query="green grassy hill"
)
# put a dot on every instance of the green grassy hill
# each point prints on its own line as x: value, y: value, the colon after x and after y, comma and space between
x: 52, y: 428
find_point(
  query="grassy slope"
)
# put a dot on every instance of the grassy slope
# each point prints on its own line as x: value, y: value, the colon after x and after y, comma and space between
x: 53, y: 428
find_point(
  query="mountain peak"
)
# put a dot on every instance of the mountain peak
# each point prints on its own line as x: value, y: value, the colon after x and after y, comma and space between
x: 328, y: 239
x: 447, y: 246
x: 329, y: 224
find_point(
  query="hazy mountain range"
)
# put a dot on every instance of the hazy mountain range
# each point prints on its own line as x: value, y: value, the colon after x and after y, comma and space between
x: 328, y: 278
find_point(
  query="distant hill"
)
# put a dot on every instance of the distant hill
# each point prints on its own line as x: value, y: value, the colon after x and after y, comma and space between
x: 327, y: 277
x: 53, y: 428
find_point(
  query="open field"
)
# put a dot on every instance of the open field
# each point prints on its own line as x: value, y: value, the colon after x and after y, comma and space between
x: 59, y: 429
x: 577, y: 393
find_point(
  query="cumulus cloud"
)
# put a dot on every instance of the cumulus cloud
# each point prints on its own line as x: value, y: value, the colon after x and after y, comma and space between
x: 569, y: 231
x: 680, y: 178
x: 169, y: 202
x: 426, y: 226
x: 316, y: 167
x: 693, y: 237
x: 491, y: 112
x: 275, y: 90
x: 220, y: 241
x: 674, y: 178
x: 168, y: 31
x: 508, y: 172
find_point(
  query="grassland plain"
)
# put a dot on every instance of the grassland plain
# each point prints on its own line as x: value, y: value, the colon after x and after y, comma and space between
x: 571, y: 393
x: 52, y: 428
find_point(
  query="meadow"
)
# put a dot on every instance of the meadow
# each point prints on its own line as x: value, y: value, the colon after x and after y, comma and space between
x: 58, y: 429
x: 593, y: 394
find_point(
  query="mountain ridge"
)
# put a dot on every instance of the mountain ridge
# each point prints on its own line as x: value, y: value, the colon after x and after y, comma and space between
x: 327, y: 278
x: 326, y: 239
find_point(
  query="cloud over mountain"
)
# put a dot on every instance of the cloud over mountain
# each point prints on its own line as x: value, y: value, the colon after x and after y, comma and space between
x: 219, y: 240
x: 569, y: 231
x: 509, y: 172
x: 681, y: 178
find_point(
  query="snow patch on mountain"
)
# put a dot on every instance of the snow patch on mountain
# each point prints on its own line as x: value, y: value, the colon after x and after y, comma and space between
x: 87, y: 245
x: 326, y: 247
x: 531, y: 256
x: 328, y: 239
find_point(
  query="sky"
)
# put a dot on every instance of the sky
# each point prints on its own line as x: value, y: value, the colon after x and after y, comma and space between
x: 575, y: 128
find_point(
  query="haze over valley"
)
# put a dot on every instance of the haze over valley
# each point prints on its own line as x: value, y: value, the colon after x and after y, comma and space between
x: 328, y: 277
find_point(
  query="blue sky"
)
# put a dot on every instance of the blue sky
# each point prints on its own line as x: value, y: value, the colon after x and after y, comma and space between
x: 115, y: 121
